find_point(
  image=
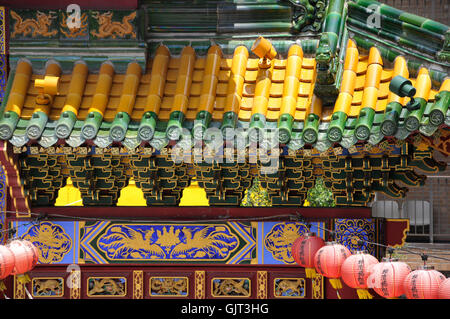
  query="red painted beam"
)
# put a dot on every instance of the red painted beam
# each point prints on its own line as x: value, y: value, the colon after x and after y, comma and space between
x: 201, y: 213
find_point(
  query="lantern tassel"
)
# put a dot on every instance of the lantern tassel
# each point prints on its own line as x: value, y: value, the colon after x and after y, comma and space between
x: 3, y: 289
x: 336, y: 283
x: 310, y: 272
x: 28, y: 293
x: 363, y: 294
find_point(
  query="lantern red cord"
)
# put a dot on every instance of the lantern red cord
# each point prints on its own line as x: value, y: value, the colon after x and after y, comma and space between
x: 304, y: 249
x: 444, y: 289
x: 355, y: 270
x: 328, y: 262
x: 387, y: 278
x: 7, y: 262
x: 26, y: 256
x: 423, y: 283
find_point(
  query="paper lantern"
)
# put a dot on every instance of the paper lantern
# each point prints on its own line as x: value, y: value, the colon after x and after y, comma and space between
x: 387, y: 278
x: 444, y: 289
x: 328, y: 262
x: 423, y: 283
x: 26, y: 256
x: 355, y: 270
x: 304, y: 249
x: 7, y: 261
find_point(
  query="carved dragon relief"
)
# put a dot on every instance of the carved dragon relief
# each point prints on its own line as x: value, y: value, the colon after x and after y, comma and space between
x: 307, y: 15
x: 109, y: 28
x: 169, y: 286
x: 39, y: 26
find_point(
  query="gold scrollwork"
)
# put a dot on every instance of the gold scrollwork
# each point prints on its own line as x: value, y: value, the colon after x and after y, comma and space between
x: 262, y: 284
x: 19, y: 288
x: 169, y: 287
x: 199, y: 284
x: 75, y: 280
x: 230, y: 287
x: 289, y: 287
x: 317, y: 287
x: 138, y: 284
x: 107, y: 286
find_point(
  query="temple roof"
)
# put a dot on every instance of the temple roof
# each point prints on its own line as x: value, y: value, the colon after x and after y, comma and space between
x: 356, y: 105
x: 219, y: 84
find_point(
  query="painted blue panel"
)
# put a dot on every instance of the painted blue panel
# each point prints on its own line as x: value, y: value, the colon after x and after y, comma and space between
x: 103, y: 242
x: 278, y: 237
x: 54, y: 239
x: 349, y: 232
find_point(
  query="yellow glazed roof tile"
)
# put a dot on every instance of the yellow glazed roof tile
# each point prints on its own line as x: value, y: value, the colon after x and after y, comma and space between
x: 247, y: 99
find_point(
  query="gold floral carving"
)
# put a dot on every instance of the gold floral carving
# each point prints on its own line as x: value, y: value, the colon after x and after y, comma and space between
x: 317, y: 287
x: 109, y: 28
x: 262, y: 285
x: 199, y: 284
x: 138, y: 284
x: 75, y: 32
x: 38, y: 26
x: 75, y: 283
x: 19, y: 288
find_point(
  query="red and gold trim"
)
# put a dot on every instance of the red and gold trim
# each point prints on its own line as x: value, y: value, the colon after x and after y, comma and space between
x: 18, y: 201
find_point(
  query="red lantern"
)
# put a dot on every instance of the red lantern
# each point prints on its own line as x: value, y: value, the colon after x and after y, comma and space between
x: 7, y: 261
x: 355, y: 270
x: 387, y: 278
x: 423, y: 283
x: 304, y: 249
x: 26, y: 255
x: 328, y: 262
x: 444, y: 289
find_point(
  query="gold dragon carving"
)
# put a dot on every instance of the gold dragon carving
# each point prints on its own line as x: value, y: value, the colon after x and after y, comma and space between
x: 53, y: 242
x: 38, y: 26
x: 231, y: 287
x: 169, y: 286
x: 113, y: 29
